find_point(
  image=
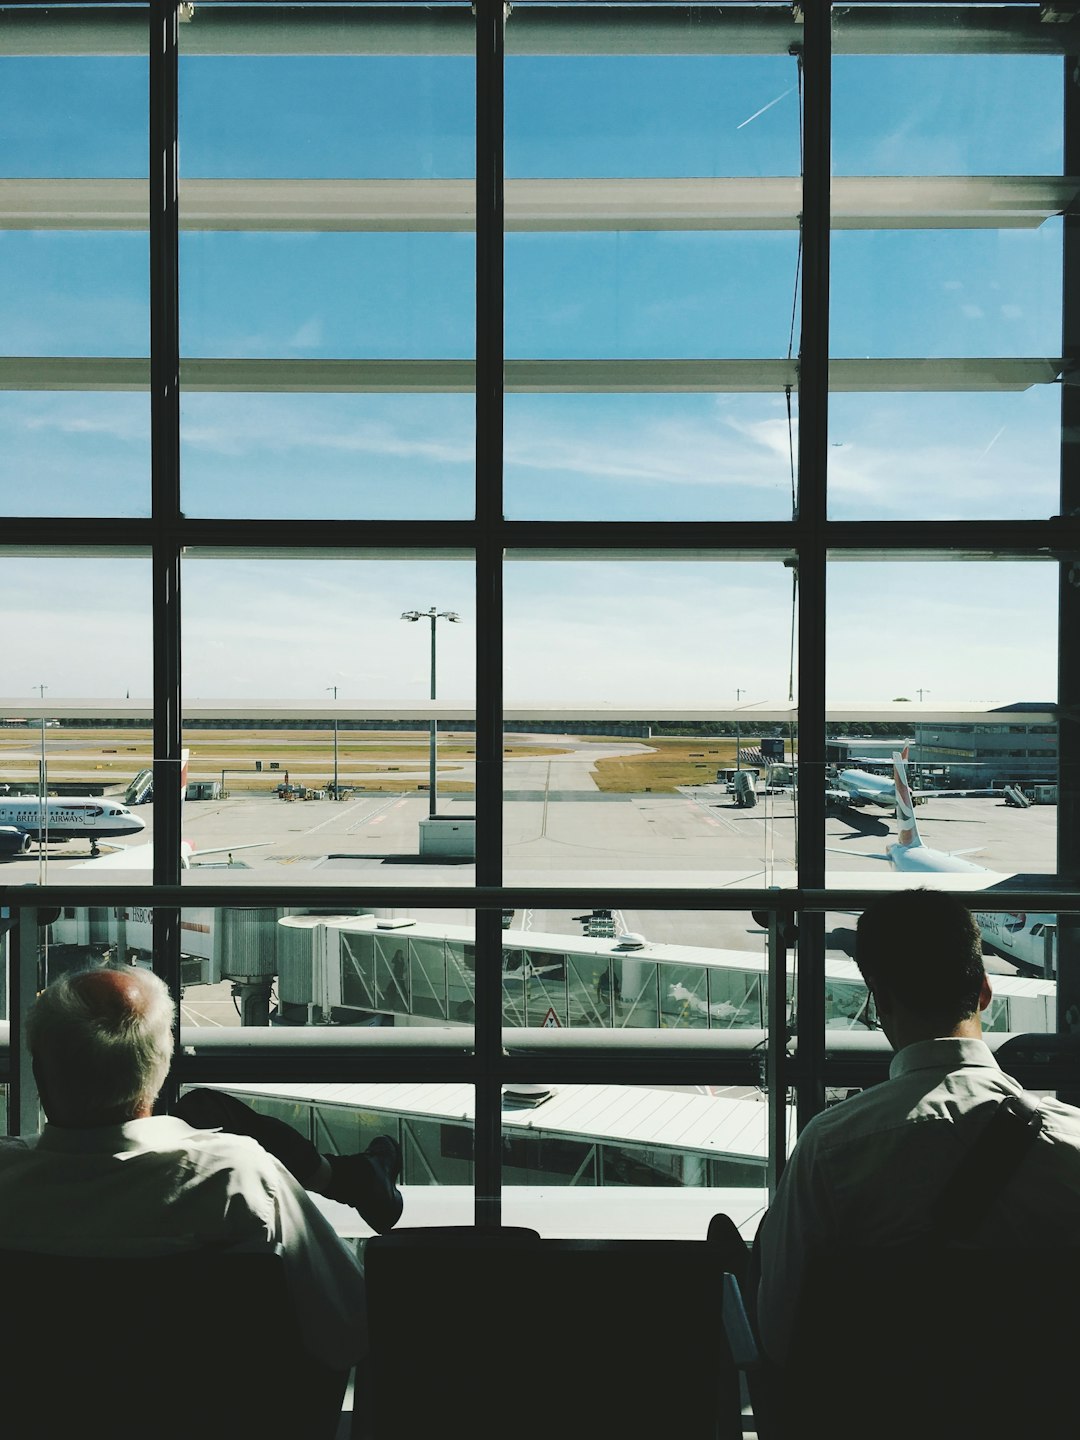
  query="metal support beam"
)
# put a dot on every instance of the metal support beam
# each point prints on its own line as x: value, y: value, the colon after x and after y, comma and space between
x: 165, y: 476
x: 490, y: 39
x: 1068, y: 696
x: 812, y: 502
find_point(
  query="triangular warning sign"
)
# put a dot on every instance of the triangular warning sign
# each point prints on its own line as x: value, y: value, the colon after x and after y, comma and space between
x: 551, y: 1020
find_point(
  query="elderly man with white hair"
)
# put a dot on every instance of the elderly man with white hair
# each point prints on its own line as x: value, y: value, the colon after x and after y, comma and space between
x: 109, y: 1177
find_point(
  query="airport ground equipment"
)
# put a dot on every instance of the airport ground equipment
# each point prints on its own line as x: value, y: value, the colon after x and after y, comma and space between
x: 141, y: 789
x: 212, y: 1338
x: 1015, y: 796
x: 745, y: 788
x: 541, y: 1337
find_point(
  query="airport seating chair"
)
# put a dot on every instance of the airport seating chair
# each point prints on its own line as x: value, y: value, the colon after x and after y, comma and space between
x: 202, y: 1345
x: 942, y: 1343
x: 529, y: 1338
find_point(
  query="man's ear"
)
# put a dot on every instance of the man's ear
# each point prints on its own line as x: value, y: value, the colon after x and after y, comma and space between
x: 985, y: 993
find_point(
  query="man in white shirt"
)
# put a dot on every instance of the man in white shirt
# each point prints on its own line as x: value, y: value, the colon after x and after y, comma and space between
x: 870, y: 1170
x: 109, y: 1177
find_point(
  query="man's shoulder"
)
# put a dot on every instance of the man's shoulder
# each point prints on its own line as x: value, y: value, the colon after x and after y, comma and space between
x: 220, y: 1149
x: 165, y: 1140
x: 846, y: 1115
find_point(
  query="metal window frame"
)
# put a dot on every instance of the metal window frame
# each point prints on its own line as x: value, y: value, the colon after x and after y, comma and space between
x: 807, y: 542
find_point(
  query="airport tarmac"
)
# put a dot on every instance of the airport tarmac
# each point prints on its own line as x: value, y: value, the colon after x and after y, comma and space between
x: 697, y: 837
x: 694, y: 838
x: 556, y: 835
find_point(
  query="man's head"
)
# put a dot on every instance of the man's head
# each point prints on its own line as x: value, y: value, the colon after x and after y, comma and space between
x: 101, y: 1042
x: 920, y: 953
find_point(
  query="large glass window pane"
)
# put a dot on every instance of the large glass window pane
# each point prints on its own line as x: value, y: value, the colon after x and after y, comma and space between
x: 626, y: 1160
x: 648, y: 456
x: 433, y: 1124
x: 74, y: 275
x: 327, y: 210
x: 77, y: 632
x: 945, y: 454
x: 941, y: 198
x: 652, y: 214
x: 329, y: 779
x: 946, y: 114
x: 321, y: 456
x: 976, y: 716
x: 640, y: 970
x: 647, y: 704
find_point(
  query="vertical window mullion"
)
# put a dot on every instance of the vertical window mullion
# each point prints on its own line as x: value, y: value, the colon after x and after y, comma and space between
x: 490, y: 20
x: 1068, y: 683
x: 813, y: 461
x: 165, y: 471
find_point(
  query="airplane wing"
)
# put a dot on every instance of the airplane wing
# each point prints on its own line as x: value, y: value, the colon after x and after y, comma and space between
x: 862, y: 854
x: 126, y: 857
x: 197, y: 855
x: 984, y: 793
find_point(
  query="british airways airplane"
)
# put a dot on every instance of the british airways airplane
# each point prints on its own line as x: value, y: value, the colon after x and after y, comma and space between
x: 1019, y: 937
x: 24, y: 819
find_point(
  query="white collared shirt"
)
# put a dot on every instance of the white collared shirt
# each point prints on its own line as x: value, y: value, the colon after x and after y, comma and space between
x: 155, y: 1185
x: 868, y: 1171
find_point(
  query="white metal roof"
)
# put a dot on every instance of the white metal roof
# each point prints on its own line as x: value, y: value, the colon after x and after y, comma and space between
x: 637, y: 1115
x: 836, y: 966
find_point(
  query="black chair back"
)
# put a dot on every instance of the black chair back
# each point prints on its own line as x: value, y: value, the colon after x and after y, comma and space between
x: 523, y: 1337
x: 202, y: 1345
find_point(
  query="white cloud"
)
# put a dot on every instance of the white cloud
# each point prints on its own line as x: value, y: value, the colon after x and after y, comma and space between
x: 309, y: 336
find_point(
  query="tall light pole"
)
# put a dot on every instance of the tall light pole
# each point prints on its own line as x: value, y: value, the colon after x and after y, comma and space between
x: 334, y: 689
x: 43, y: 792
x: 738, y: 758
x: 433, y: 615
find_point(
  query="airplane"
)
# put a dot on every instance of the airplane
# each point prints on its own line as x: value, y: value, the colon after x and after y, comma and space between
x: 24, y: 820
x: 1019, y: 937
x: 863, y: 788
x: 860, y: 787
x: 141, y: 857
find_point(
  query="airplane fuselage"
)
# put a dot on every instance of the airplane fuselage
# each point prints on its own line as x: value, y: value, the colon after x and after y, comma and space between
x: 1021, y: 938
x: 928, y: 861
x: 1018, y: 937
x: 89, y: 819
x: 867, y: 789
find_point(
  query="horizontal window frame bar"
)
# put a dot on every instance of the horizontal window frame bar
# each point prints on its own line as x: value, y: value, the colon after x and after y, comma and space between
x: 854, y: 1058
x: 545, y: 205
x: 120, y: 374
x: 1063, y: 898
x: 1055, y: 538
x: 368, y: 27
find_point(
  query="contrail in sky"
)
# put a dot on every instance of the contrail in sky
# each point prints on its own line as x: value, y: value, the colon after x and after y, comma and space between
x: 996, y: 438
x: 766, y: 107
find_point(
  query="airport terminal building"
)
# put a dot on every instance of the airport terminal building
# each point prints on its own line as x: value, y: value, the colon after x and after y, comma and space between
x: 465, y: 430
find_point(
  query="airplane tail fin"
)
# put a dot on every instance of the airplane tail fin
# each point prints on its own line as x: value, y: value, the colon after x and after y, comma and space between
x: 907, y: 826
x: 185, y: 848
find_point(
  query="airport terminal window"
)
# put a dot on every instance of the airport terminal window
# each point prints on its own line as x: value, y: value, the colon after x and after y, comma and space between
x: 567, y: 413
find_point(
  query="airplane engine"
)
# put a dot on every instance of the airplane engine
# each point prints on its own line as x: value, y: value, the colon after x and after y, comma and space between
x: 13, y: 841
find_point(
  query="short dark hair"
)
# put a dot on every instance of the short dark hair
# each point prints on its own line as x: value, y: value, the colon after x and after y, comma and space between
x: 923, y: 950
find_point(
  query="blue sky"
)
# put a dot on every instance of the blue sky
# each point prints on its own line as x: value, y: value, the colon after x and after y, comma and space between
x: 621, y: 632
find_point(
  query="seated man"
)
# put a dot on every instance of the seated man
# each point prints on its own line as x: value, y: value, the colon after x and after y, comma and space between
x: 870, y: 1170
x: 109, y: 1177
